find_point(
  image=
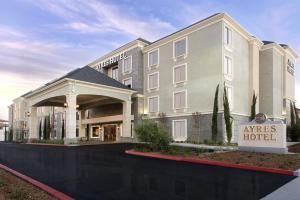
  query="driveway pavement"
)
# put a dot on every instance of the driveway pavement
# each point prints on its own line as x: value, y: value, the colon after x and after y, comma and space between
x: 105, y: 172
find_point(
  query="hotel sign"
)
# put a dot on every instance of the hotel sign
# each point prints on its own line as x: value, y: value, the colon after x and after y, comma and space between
x: 263, y: 135
x: 111, y: 60
x: 290, y: 67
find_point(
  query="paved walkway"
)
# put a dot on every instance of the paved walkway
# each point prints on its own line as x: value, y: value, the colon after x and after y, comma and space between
x: 290, y: 191
x: 201, y: 146
x: 106, y: 172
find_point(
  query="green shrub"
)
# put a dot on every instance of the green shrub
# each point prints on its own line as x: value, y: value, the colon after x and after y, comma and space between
x: 57, y: 141
x: 152, y: 134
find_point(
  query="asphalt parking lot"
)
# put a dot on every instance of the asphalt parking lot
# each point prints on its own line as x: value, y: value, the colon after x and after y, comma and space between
x: 106, y: 172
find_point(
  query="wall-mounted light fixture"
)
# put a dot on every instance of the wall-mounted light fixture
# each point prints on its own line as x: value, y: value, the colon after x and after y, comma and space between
x: 28, y: 114
x: 65, y: 105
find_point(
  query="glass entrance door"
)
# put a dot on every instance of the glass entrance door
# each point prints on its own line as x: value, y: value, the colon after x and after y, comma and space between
x: 110, y: 132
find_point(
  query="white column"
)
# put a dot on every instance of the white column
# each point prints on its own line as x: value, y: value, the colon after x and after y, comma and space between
x: 71, y: 118
x: 33, y: 123
x: 126, y: 119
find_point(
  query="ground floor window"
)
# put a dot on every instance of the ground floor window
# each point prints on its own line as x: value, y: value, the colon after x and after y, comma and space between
x: 179, y: 130
x: 95, y: 132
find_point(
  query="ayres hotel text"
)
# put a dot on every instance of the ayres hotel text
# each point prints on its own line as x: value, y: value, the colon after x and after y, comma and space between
x: 266, y: 132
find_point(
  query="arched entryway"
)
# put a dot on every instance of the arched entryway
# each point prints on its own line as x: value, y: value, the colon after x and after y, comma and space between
x: 77, y: 97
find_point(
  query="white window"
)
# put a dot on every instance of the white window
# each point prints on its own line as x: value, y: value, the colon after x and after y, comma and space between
x: 180, y: 73
x: 180, y: 47
x: 179, y: 130
x: 228, y: 66
x: 229, y: 92
x: 115, y: 72
x: 179, y: 100
x: 127, y: 65
x: 153, y: 80
x: 128, y: 82
x: 153, y: 58
x: 153, y: 104
x: 227, y: 36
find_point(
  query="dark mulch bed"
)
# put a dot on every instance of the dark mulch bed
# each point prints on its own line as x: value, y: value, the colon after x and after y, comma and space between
x: 13, y: 188
x: 278, y: 161
x: 295, y: 148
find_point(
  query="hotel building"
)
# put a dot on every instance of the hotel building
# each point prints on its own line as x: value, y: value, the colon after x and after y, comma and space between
x: 171, y: 80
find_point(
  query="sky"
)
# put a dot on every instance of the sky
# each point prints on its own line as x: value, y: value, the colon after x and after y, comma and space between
x: 41, y: 40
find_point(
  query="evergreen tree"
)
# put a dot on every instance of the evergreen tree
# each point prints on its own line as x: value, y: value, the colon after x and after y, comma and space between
x: 48, y: 127
x: 63, y: 129
x: 45, y: 128
x: 227, y: 117
x: 214, y: 126
x: 40, y: 130
x: 292, y: 115
x: 253, y: 107
x: 297, y: 123
x: 297, y: 116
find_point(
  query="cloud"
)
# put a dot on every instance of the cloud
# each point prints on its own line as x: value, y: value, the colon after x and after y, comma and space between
x: 98, y: 17
x: 26, y: 62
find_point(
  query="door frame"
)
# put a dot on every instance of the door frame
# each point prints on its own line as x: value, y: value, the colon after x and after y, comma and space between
x: 111, y: 124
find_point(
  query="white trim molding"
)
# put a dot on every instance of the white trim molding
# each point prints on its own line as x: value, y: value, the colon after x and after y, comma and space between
x: 173, y: 130
x: 155, y: 65
x: 186, y: 78
x: 228, y: 77
x: 176, y: 58
x: 151, y: 97
x: 126, y: 79
x: 123, y: 65
x: 148, y: 81
x: 185, y: 106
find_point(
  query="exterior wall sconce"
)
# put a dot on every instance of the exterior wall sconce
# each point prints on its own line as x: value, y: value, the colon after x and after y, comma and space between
x: 65, y: 105
x: 28, y: 114
x: 77, y: 106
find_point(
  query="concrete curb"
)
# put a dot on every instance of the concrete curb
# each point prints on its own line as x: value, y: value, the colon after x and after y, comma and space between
x: 214, y: 163
x: 45, y: 144
x: 297, y: 172
x: 57, y: 194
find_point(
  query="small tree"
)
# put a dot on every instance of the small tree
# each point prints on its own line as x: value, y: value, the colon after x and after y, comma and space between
x: 214, y: 124
x: 297, y: 123
x: 152, y: 134
x: 48, y: 127
x: 227, y: 117
x: 63, y: 129
x: 40, y: 130
x: 253, y: 106
x: 292, y: 115
x: 162, y: 118
x: 297, y: 116
x: 45, y: 128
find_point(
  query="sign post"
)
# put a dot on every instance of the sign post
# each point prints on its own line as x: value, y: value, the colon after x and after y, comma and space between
x: 263, y: 135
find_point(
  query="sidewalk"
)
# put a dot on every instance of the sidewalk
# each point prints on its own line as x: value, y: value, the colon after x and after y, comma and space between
x: 289, y: 191
x: 204, y: 146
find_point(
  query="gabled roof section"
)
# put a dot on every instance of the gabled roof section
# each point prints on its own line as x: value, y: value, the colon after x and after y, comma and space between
x: 90, y: 75
x: 85, y: 74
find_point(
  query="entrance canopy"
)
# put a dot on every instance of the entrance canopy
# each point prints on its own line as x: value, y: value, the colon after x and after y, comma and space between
x: 81, y: 88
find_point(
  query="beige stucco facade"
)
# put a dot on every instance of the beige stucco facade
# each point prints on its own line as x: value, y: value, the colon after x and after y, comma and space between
x: 217, y: 51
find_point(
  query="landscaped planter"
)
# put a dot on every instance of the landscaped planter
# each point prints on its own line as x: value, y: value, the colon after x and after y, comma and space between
x: 57, y: 194
x: 210, y: 162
